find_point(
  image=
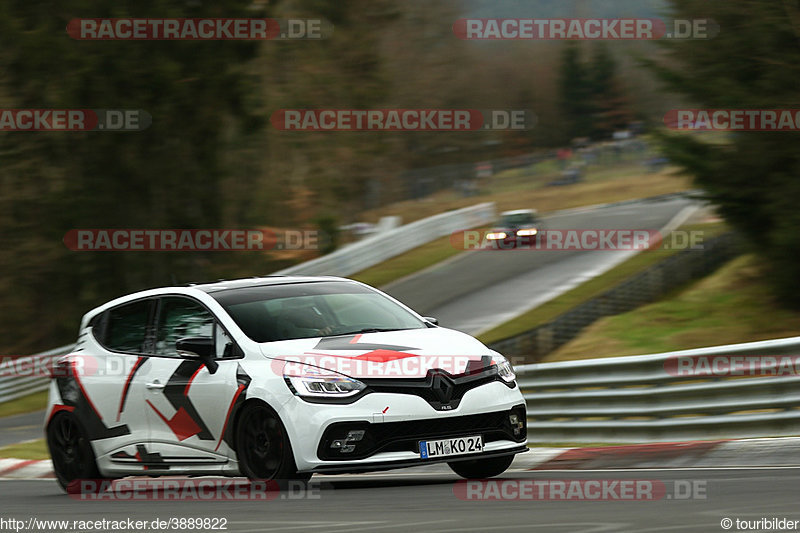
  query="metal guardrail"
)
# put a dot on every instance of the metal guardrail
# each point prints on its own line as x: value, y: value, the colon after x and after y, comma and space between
x: 378, y: 248
x: 13, y: 386
x: 636, y: 398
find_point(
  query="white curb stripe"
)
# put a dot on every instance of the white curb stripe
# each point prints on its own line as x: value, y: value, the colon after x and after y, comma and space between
x: 34, y: 470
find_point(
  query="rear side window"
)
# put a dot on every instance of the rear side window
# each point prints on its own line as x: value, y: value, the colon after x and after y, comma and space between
x: 126, y: 327
x: 179, y: 318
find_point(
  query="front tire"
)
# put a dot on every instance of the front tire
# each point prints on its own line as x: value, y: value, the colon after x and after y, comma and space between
x: 71, y: 451
x: 481, y: 468
x: 263, y: 447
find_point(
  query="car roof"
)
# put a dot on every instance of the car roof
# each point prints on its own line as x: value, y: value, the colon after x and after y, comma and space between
x: 519, y: 212
x: 208, y: 288
x: 259, y: 281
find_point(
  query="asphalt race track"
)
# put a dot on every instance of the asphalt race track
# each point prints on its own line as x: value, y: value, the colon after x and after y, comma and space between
x: 424, y: 500
x: 19, y: 428
x: 478, y: 290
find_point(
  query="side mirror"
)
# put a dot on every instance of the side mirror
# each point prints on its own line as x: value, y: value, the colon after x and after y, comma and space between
x: 431, y: 320
x: 200, y: 348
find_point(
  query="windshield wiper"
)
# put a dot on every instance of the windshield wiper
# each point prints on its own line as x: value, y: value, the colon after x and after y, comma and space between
x: 372, y: 330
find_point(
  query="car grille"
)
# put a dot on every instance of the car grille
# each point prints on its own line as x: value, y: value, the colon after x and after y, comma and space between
x: 440, y: 389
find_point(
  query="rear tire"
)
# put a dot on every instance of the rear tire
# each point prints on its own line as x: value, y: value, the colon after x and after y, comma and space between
x: 481, y: 468
x: 263, y: 447
x: 71, y: 451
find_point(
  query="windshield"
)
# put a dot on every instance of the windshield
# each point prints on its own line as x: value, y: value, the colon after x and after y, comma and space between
x: 317, y: 309
x: 518, y: 219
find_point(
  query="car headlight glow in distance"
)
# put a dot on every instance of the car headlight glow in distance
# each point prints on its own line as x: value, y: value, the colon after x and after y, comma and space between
x: 323, y: 385
x: 504, y: 368
x: 497, y: 235
x: 527, y: 232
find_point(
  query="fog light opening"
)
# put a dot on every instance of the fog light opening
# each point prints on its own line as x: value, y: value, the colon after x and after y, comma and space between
x: 348, y: 443
x: 355, y: 435
x: 516, y: 424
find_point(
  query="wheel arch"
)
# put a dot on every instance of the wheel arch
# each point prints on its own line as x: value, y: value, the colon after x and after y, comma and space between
x: 237, y: 416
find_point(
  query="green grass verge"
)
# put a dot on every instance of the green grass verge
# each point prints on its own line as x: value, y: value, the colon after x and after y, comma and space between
x: 591, y: 288
x: 730, y: 306
x: 33, y: 450
x: 26, y: 404
x: 412, y: 261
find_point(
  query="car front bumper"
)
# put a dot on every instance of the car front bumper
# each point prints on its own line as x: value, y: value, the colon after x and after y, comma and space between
x: 372, y: 466
x: 395, y: 423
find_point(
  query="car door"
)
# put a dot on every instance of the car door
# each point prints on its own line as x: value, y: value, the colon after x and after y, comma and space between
x: 189, y: 401
x: 111, y: 372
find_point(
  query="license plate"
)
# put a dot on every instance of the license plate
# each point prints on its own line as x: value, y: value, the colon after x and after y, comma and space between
x: 445, y: 447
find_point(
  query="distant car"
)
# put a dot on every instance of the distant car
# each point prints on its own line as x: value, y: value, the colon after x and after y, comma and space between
x: 278, y: 378
x: 515, y: 228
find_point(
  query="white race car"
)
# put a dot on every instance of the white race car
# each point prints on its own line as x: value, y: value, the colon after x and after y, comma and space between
x: 277, y: 378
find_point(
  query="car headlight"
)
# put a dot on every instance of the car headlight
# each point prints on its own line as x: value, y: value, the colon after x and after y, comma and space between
x: 495, y: 236
x: 504, y: 368
x: 318, y: 383
x: 527, y: 232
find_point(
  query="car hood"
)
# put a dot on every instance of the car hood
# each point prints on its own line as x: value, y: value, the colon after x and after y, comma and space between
x: 391, y: 354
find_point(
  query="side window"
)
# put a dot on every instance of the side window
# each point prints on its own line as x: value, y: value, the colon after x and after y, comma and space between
x: 178, y: 318
x: 126, y: 327
x: 224, y: 346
